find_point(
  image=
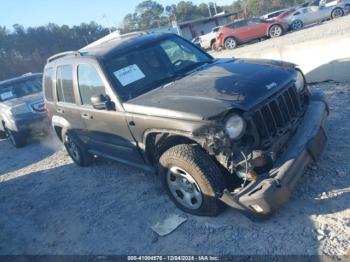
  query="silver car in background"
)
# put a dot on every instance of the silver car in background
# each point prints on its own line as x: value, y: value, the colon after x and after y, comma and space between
x: 314, y: 14
x: 22, y: 111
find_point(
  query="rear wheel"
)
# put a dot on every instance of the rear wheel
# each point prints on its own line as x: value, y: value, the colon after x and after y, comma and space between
x: 3, y: 135
x: 337, y: 12
x: 275, y: 31
x: 297, y: 25
x: 213, y: 46
x: 76, y: 150
x: 230, y: 43
x: 192, y: 180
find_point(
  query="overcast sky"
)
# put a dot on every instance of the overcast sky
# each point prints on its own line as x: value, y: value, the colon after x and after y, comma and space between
x: 71, y: 12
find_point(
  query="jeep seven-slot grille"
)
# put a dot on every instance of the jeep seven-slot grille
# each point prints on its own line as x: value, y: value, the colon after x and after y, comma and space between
x: 278, y: 115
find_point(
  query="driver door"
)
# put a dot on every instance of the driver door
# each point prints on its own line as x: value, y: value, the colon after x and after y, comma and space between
x: 108, y: 132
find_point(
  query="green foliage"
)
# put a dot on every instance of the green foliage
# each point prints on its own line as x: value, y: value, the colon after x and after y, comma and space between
x: 26, y: 50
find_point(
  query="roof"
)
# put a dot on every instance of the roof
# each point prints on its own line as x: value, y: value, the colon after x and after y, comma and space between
x: 20, y: 78
x: 104, y: 48
x: 205, y: 19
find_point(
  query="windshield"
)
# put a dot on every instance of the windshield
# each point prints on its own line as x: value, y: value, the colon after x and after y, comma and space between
x: 20, y: 89
x: 150, y: 66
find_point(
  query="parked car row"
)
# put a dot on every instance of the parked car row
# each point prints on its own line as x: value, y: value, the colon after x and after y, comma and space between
x: 273, y: 24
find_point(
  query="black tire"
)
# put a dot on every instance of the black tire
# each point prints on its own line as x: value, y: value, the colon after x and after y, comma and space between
x: 347, y: 9
x: 76, y: 150
x: 3, y: 135
x: 17, y: 139
x: 275, y: 31
x: 213, y: 46
x: 337, y: 12
x: 297, y: 25
x: 230, y: 43
x: 202, y: 169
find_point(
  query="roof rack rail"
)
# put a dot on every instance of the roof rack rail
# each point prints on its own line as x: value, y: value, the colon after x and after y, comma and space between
x: 111, y: 37
x: 63, y: 54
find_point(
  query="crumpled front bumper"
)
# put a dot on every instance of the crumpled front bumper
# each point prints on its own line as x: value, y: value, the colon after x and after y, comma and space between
x: 270, y: 192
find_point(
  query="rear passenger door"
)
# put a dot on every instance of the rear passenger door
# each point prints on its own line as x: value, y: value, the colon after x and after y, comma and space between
x: 66, y: 108
x: 108, y: 132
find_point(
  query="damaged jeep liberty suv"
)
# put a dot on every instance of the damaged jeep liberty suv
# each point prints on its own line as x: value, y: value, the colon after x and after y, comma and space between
x: 236, y: 132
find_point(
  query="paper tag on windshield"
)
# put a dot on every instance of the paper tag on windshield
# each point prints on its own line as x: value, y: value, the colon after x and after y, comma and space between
x: 129, y: 74
x: 6, y: 95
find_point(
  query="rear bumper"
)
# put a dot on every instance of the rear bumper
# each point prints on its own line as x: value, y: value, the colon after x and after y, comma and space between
x: 267, y: 194
x: 32, y: 124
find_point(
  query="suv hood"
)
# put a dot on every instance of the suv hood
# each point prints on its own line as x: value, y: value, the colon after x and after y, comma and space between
x: 215, y: 88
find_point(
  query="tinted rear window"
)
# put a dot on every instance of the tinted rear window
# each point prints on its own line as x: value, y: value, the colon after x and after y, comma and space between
x: 64, y: 84
x: 48, y: 77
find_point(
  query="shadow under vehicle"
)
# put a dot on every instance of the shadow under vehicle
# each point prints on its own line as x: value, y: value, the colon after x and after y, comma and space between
x: 233, y: 131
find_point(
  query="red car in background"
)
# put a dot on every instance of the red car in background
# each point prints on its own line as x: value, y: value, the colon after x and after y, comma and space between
x: 245, y: 30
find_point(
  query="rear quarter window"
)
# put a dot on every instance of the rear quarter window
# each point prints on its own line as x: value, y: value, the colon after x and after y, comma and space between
x: 48, y: 85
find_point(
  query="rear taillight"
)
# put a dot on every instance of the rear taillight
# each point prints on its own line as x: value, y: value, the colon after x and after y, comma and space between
x: 219, y: 35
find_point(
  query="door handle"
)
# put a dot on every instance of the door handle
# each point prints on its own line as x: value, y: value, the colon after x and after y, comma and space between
x: 86, y: 116
x: 60, y: 110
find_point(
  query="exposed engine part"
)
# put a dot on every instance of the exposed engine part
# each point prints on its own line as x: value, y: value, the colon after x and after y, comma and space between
x: 260, y: 161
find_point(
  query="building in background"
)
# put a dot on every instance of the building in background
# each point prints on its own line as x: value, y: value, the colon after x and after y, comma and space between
x: 197, y: 27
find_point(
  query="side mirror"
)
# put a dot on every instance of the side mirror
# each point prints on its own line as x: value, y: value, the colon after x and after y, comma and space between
x: 102, y: 102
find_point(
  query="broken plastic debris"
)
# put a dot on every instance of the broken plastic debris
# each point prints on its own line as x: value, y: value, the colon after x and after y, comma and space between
x: 168, y: 225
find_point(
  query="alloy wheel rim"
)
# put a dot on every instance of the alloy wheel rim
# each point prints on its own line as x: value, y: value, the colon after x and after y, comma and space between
x: 337, y: 13
x: 184, y: 188
x: 297, y: 25
x: 72, y: 148
x: 230, y: 43
x: 276, y: 31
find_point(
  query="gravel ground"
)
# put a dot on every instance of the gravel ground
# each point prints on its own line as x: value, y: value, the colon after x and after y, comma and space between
x: 48, y: 205
x: 339, y: 27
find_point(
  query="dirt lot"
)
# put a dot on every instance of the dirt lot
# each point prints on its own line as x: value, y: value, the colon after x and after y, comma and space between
x: 48, y: 205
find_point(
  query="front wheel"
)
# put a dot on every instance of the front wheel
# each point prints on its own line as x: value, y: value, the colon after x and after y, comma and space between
x: 192, y: 180
x: 275, y: 31
x: 230, y: 43
x: 337, y: 12
x: 76, y: 150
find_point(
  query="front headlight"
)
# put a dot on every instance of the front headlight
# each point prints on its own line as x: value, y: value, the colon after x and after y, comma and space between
x: 299, y: 81
x: 235, y: 126
x: 19, y: 109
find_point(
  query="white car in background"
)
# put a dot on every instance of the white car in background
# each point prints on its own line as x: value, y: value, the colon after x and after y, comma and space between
x: 272, y: 15
x: 328, y: 3
x: 207, y: 41
x: 313, y: 14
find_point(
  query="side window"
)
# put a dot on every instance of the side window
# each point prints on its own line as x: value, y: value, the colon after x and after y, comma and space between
x: 89, y: 83
x: 48, y: 77
x: 64, y: 84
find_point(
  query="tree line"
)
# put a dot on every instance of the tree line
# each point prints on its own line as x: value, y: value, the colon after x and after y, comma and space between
x: 26, y: 49
x: 150, y: 14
